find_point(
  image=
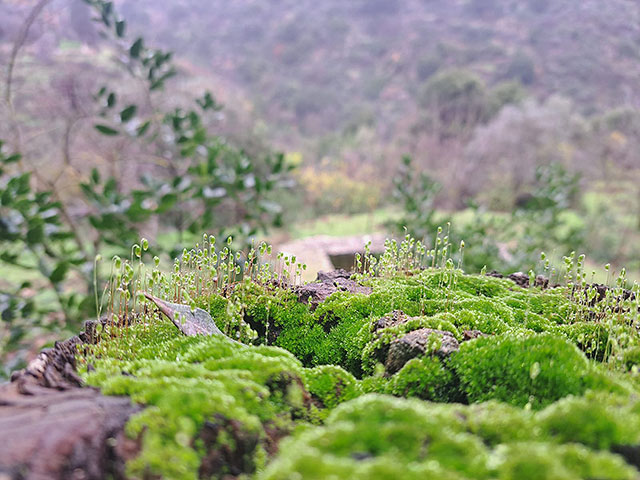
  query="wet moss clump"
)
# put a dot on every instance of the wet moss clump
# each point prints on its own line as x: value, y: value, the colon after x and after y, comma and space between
x: 494, y: 381
x: 379, y: 437
x: 521, y: 369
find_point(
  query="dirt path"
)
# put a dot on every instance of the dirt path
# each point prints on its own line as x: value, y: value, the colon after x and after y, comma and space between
x: 317, y: 252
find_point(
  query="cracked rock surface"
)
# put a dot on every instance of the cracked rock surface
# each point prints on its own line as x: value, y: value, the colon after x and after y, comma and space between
x: 51, y: 427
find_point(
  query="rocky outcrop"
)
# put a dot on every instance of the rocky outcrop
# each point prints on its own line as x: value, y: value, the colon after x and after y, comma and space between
x: 52, y: 427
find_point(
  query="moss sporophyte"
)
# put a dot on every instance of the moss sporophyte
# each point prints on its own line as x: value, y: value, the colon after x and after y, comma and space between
x: 407, y: 369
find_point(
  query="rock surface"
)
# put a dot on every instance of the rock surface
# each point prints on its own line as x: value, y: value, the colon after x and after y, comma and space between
x: 326, y: 284
x: 522, y: 279
x: 417, y: 343
x: 393, y: 319
x: 53, y: 428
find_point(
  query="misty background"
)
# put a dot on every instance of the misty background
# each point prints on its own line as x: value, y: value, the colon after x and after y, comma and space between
x: 516, y: 121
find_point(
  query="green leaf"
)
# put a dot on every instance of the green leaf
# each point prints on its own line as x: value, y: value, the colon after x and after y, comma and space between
x: 107, y: 9
x: 120, y: 28
x: 110, y: 187
x: 6, y: 198
x: 95, y: 176
x: 111, y: 99
x: 59, y: 272
x: 158, y: 83
x: 136, y: 48
x: 142, y: 129
x: 103, y: 129
x: 167, y: 202
x: 13, y: 158
x: 128, y: 113
x: 35, y: 234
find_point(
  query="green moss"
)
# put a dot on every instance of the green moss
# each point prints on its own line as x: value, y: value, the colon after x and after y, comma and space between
x: 465, y: 319
x: 424, y: 378
x: 631, y: 357
x: 207, y: 377
x: 378, y: 437
x: 597, y: 420
x: 521, y: 370
x: 332, y: 385
x: 480, y: 285
x: 498, y: 423
x: 592, y: 338
x: 533, y: 461
x: 552, y: 304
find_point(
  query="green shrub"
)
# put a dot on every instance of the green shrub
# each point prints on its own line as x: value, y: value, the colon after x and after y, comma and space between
x: 458, y: 96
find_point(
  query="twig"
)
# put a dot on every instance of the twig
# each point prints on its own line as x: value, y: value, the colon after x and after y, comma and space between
x: 18, y: 44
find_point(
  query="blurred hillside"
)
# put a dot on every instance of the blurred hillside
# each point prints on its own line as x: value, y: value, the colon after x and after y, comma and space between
x: 346, y: 80
x: 354, y: 85
x: 325, y: 63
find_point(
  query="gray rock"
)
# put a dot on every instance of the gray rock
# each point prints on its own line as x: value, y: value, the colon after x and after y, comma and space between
x: 326, y: 284
x: 393, y: 319
x: 417, y: 343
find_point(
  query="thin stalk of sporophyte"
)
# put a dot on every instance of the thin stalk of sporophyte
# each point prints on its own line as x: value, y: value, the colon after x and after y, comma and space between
x: 436, y: 247
x: 460, y: 260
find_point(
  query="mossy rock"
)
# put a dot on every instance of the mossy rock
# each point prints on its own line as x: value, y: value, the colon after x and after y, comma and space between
x: 308, y: 396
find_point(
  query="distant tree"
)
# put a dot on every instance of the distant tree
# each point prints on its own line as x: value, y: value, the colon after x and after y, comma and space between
x: 521, y: 138
x: 521, y: 68
x: 457, y: 99
x: 506, y: 93
x: 427, y: 66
